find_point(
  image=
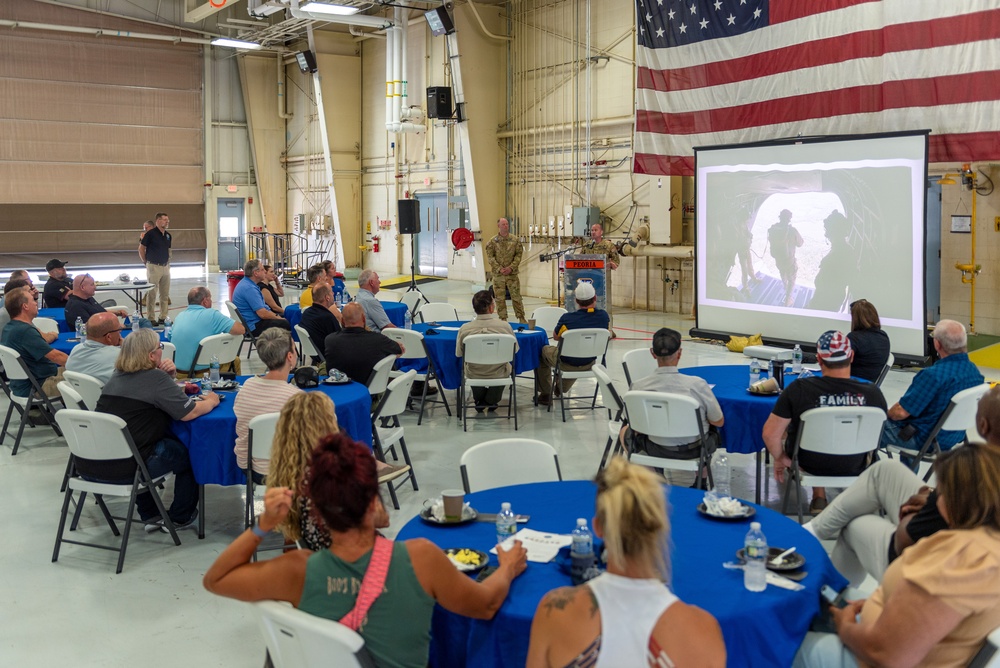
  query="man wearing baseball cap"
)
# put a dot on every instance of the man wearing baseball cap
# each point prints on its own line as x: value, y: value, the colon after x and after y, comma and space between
x: 57, y: 288
x: 586, y: 316
x: 834, y: 388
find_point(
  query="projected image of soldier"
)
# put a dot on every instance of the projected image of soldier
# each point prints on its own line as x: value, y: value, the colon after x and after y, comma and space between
x: 783, y: 240
x: 837, y: 266
x: 743, y: 239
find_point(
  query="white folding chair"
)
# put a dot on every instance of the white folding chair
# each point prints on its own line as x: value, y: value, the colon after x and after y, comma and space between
x: 262, y: 436
x: 584, y: 344
x: 959, y: 416
x: 296, y: 639
x: 491, y: 349
x: 378, y: 380
x: 71, y: 398
x: 546, y: 317
x: 885, y: 370
x: 832, y: 430
x: 87, y: 386
x: 616, y: 409
x: 415, y: 348
x: 387, y: 431
x: 226, y: 347
x: 508, y: 461
x: 413, y: 300
x: 248, y: 336
x: 16, y: 369
x: 309, y: 349
x: 989, y: 655
x: 667, y: 415
x: 46, y: 325
x: 638, y: 364
x: 103, y: 437
x: 169, y: 351
x: 437, y: 312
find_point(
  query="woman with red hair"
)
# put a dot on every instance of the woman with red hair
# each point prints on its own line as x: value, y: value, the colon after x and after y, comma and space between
x: 405, y: 578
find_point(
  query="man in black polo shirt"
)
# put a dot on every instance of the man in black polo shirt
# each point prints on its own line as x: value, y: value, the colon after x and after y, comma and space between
x: 154, y: 251
x: 586, y: 316
x: 318, y: 320
x: 58, y: 287
x: 81, y: 303
x: 355, y: 350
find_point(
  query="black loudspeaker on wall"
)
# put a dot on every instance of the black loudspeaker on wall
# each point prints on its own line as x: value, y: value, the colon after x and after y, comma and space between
x: 439, y: 102
x: 409, y: 216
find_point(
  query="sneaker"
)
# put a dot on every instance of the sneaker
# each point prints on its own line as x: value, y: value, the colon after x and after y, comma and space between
x: 183, y: 525
x: 153, y: 524
x: 817, y: 505
x: 390, y: 472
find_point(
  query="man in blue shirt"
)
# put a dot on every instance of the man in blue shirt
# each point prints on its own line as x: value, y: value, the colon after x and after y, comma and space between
x: 931, y: 391
x: 250, y: 302
x: 195, y: 323
x: 586, y: 316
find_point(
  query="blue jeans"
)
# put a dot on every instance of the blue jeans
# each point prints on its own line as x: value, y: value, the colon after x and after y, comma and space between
x: 890, y: 436
x: 171, y: 456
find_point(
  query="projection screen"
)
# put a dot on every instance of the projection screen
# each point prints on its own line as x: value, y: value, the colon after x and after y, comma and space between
x: 790, y: 233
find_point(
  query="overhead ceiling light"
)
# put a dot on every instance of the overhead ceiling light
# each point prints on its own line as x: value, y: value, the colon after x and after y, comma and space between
x: 235, y: 43
x: 325, y: 8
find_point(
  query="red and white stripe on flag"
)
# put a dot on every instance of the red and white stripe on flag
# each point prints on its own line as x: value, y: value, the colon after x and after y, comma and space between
x: 716, y: 72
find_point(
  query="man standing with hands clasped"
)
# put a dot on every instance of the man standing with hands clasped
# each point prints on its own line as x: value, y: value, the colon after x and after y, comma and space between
x: 154, y: 251
x: 504, y: 254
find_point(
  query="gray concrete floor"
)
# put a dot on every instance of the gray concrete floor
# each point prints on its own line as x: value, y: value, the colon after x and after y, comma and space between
x: 78, y: 612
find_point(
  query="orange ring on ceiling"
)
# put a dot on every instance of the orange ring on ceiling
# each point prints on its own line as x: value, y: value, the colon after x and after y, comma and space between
x: 219, y: 5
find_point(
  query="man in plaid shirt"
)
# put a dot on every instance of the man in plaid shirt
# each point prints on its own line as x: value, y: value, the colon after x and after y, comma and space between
x: 931, y: 391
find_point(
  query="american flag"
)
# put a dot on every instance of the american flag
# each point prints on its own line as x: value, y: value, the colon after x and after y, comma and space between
x: 716, y: 72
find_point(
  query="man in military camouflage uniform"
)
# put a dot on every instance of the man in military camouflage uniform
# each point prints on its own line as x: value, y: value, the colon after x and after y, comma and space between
x: 598, y: 245
x: 504, y: 254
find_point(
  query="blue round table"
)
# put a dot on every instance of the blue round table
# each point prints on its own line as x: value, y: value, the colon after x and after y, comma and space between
x: 67, y: 340
x: 57, y: 314
x: 760, y: 629
x: 210, y: 438
x: 441, y: 348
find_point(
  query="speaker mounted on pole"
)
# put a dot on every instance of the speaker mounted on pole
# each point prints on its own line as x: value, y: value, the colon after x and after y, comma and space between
x: 409, y: 216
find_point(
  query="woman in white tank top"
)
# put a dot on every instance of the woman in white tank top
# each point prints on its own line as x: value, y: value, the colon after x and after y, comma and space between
x: 627, y: 616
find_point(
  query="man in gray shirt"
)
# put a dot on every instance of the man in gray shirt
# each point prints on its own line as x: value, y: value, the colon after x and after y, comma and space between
x: 375, y: 318
x: 97, y: 355
x: 667, y: 351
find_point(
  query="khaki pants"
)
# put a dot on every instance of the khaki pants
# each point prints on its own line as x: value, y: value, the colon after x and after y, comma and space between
x: 49, y: 386
x: 159, y: 276
x: 544, y: 371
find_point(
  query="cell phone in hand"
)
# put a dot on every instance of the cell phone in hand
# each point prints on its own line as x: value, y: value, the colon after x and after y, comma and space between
x: 832, y: 597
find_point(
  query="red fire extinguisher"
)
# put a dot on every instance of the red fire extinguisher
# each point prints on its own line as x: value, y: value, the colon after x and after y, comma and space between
x: 375, y: 242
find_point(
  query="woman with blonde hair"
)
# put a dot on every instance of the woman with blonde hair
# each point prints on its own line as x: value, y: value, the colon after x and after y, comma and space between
x: 941, y: 597
x: 626, y: 616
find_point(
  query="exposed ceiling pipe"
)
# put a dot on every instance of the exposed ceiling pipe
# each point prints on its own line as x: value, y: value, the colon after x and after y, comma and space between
x: 684, y: 252
x: 566, y: 127
x: 475, y: 12
x: 352, y: 20
x: 102, y: 32
x: 282, y: 97
x: 397, y: 64
x: 202, y: 12
x: 390, y: 39
x: 123, y: 17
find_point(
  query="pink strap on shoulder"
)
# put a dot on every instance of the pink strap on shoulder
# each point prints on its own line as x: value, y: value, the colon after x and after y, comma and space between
x: 372, y: 584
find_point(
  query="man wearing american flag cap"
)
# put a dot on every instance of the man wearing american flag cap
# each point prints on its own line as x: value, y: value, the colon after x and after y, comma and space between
x: 834, y: 387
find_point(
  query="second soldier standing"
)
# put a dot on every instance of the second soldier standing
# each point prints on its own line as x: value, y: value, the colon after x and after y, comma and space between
x: 504, y: 255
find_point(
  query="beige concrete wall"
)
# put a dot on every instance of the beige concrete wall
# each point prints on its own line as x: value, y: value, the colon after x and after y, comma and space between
x: 259, y: 79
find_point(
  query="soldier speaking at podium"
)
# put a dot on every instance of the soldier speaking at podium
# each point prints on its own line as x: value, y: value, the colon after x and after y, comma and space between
x: 598, y: 245
x: 504, y: 254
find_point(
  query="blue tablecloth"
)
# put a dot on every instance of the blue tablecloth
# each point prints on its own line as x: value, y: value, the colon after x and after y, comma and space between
x: 57, y: 314
x: 760, y: 629
x: 67, y: 340
x: 744, y: 413
x: 210, y: 438
x: 441, y: 348
x: 394, y: 310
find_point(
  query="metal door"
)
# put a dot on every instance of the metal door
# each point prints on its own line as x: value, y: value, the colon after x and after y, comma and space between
x: 433, y: 244
x: 231, y: 232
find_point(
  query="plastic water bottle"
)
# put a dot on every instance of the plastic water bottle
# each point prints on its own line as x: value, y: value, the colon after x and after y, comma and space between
x: 506, y: 523
x: 213, y: 369
x: 206, y: 385
x: 581, y: 551
x: 408, y: 320
x: 135, y: 320
x: 79, y: 328
x: 755, y: 555
x: 797, y: 359
x: 168, y: 326
x: 754, y: 370
x: 720, y: 473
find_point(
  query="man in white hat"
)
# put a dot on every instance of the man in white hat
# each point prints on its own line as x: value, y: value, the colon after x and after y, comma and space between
x: 586, y: 316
